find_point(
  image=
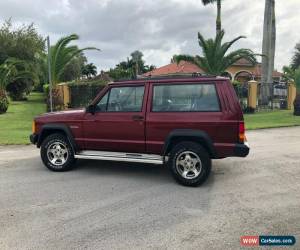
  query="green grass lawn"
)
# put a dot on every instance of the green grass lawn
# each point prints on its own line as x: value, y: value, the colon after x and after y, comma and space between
x: 15, y: 125
x: 280, y: 118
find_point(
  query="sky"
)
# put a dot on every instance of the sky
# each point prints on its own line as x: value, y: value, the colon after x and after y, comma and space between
x: 158, y: 28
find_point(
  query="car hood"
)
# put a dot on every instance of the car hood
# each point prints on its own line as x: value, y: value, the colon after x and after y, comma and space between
x: 61, y: 115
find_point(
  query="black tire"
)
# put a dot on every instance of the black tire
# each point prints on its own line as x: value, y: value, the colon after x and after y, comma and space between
x: 203, y: 168
x: 60, y: 166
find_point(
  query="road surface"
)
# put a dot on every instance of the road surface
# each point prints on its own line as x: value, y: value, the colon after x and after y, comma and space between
x: 104, y: 205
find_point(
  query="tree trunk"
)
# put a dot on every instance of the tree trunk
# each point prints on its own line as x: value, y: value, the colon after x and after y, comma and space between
x: 3, y: 102
x: 272, y: 48
x: 218, y: 22
x: 266, y: 49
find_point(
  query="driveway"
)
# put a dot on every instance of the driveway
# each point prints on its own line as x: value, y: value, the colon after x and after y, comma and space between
x: 102, y: 205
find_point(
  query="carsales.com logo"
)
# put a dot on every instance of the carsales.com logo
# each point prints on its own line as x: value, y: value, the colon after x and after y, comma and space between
x: 252, y: 241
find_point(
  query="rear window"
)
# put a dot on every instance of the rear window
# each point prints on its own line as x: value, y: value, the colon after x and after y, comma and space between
x: 185, y: 98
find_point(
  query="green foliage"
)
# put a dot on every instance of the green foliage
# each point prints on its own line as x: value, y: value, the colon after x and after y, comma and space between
x: 62, y: 54
x: 73, y: 70
x: 89, y: 70
x: 291, y: 74
x: 216, y: 58
x: 88, y: 82
x: 130, y: 68
x: 46, y: 88
x: 296, y: 58
x: 11, y: 70
x: 23, y: 43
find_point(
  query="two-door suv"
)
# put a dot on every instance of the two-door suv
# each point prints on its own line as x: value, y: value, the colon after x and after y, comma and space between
x: 184, y: 122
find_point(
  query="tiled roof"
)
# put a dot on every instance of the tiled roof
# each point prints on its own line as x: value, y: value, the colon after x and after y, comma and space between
x: 187, y: 68
x: 173, y: 68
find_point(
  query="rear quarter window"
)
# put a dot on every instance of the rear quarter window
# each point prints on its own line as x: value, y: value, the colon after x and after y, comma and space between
x: 185, y: 98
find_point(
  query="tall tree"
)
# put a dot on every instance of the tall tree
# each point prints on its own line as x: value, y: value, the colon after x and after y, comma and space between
x: 62, y: 54
x: 219, y: 6
x: 24, y: 43
x: 216, y: 58
x: 268, y: 51
x: 130, y: 68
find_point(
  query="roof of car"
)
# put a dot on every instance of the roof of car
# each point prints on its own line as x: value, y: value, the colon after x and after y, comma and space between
x: 170, y: 79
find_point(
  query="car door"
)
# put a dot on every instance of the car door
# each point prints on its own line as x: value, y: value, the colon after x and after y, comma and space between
x: 118, y: 123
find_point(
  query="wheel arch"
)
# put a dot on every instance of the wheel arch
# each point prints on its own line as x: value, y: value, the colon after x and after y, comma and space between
x: 198, y: 136
x: 52, y: 128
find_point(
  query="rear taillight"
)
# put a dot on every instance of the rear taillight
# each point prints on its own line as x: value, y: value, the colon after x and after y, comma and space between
x: 242, y: 136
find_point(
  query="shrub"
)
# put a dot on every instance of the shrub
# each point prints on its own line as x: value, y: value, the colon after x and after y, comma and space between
x: 18, y: 89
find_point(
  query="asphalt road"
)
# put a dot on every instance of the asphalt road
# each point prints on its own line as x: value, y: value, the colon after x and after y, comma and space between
x: 102, y: 205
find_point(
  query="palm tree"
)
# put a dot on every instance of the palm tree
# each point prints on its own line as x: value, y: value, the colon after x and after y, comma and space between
x: 9, y: 72
x: 89, y: 70
x: 268, y: 50
x: 216, y: 58
x: 219, y: 6
x: 62, y: 53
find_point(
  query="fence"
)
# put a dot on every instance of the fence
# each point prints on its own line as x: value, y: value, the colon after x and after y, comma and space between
x: 281, y: 96
x: 82, y: 94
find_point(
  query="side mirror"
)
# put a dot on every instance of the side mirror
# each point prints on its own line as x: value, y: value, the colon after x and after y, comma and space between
x: 91, y: 109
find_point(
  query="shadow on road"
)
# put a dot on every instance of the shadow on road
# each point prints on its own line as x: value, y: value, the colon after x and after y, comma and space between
x: 130, y: 171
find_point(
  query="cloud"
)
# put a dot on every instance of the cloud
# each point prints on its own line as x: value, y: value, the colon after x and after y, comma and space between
x: 158, y: 28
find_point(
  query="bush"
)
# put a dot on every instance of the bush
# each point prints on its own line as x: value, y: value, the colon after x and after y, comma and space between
x: 297, y: 105
x: 82, y: 93
x: 18, y: 89
x: 3, y: 102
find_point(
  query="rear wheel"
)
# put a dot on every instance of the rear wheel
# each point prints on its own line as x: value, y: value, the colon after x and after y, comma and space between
x: 57, y: 153
x: 189, y: 163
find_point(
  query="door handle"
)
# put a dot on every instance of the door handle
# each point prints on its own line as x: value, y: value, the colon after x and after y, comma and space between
x: 137, y: 117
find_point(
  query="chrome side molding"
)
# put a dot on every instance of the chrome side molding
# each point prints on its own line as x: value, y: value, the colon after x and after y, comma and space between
x: 119, y: 156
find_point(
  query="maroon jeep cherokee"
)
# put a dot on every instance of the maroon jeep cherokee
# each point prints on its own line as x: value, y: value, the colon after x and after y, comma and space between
x: 184, y: 122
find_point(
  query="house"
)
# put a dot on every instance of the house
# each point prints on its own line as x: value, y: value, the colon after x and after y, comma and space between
x: 241, y: 71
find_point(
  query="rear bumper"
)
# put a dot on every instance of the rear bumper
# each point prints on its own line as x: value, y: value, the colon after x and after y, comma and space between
x: 34, y: 138
x: 241, y: 150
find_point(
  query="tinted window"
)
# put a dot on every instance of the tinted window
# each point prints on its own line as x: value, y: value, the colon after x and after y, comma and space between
x: 185, y: 98
x: 123, y: 99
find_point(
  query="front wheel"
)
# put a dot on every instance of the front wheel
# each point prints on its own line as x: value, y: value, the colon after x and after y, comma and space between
x: 57, y: 153
x: 189, y: 163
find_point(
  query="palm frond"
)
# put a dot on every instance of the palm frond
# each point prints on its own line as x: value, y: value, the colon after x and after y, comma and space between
x: 62, y: 54
x: 206, y: 2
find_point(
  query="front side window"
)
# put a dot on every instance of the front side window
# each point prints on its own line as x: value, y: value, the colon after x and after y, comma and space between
x: 185, y: 98
x: 122, y: 99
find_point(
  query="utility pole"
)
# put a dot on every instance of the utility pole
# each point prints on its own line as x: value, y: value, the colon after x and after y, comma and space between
x: 49, y: 74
